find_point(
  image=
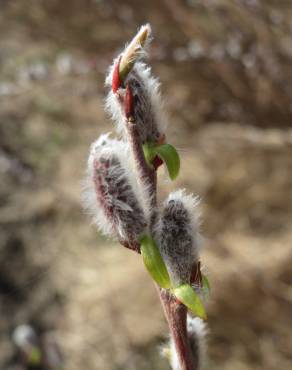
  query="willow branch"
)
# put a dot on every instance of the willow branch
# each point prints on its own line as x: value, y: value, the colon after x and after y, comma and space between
x: 175, y: 312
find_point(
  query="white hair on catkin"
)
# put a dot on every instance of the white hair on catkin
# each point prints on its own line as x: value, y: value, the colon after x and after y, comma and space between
x: 178, y: 236
x: 153, y: 109
x: 152, y: 86
x: 148, y: 95
x: 197, y: 333
x: 115, y: 109
x: 192, y: 205
x: 128, y: 215
x: 122, y: 150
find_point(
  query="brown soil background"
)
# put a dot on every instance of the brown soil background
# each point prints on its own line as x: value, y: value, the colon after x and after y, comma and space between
x: 225, y: 68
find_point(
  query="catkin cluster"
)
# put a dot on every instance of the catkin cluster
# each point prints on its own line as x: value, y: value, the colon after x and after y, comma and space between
x: 119, y: 205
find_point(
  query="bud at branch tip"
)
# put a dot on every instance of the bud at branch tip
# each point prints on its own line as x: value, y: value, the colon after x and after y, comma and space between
x: 133, y: 51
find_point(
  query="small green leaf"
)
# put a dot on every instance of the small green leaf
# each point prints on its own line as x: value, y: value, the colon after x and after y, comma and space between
x: 167, y: 153
x: 154, y: 262
x: 186, y: 295
x: 149, y: 153
x: 170, y: 157
x: 206, y: 283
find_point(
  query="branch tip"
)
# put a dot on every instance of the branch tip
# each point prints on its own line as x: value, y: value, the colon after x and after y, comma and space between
x: 134, y: 50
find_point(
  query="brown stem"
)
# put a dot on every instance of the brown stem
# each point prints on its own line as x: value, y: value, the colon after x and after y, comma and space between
x: 176, y: 315
x: 175, y: 312
x: 147, y: 176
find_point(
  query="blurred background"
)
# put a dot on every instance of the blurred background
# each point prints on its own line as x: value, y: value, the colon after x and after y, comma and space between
x: 225, y: 68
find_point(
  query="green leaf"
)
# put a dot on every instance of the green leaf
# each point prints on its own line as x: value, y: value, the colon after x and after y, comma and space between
x: 167, y: 153
x: 206, y: 283
x: 186, y: 295
x: 149, y: 153
x: 154, y: 262
x: 170, y: 157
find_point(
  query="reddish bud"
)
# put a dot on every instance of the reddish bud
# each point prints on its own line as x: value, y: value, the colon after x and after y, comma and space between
x: 129, y: 103
x: 116, y: 81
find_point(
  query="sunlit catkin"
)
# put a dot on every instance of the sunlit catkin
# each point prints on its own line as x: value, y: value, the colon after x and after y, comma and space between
x: 178, y: 235
x: 110, y: 192
x: 147, y: 108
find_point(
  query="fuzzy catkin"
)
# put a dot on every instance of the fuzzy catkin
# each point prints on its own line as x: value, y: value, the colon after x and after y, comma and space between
x: 178, y: 236
x: 110, y: 193
x: 148, y: 111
